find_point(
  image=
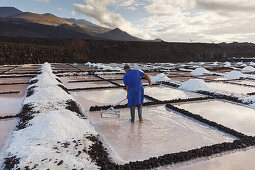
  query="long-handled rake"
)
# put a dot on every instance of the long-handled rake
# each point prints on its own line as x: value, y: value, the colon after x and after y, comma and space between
x: 111, y: 112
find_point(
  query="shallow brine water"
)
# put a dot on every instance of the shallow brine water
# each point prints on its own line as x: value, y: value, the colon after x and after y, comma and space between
x: 10, y: 105
x: 231, y: 88
x: 231, y: 115
x: 99, y: 97
x: 167, y: 93
x: 182, y: 79
x: 15, y: 80
x: 88, y: 84
x: 113, y: 76
x: 78, y: 78
x: 243, y: 160
x: 7, y: 88
x: 6, y: 126
x: 247, y: 82
x: 161, y: 133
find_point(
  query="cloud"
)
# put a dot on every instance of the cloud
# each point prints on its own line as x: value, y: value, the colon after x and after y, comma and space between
x: 73, y: 13
x: 177, y: 20
x: 46, y: 1
x: 202, y: 20
x: 99, y: 12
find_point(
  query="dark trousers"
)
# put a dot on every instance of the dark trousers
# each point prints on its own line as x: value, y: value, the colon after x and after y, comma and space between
x: 132, y: 111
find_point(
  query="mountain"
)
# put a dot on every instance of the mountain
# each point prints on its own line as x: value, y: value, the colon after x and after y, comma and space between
x: 81, y: 22
x: 87, y: 26
x: 9, y: 11
x: 16, y: 27
x: 119, y: 35
x: 45, y: 19
x: 72, y: 27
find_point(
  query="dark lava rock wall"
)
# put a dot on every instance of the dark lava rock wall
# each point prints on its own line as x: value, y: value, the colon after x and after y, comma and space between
x: 21, y: 50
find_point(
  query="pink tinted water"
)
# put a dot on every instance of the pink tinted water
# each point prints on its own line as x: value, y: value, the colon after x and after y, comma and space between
x: 161, y: 133
x: 231, y: 115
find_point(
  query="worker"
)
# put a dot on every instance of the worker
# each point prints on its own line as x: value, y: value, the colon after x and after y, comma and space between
x: 135, y: 91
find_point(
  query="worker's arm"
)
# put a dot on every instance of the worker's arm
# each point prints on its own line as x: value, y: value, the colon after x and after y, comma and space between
x: 147, y: 78
x: 127, y: 91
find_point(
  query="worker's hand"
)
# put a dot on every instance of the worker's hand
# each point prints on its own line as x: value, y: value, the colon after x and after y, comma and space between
x: 127, y: 96
x: 150, y: 84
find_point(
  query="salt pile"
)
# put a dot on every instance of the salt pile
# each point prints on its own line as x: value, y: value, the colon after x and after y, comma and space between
x: 200, y: 71
x: 201, y: 63
x: 42, y: 136
x: 243, y: 65
x: 234, y: 75
x: 103, y: 67
x: 252, y: 63
x: 159, y: 78
x: 215, y: 63
x: 239, y: 63
x: 248, y: 69
x: 227, y: 64
x: 194, y: 85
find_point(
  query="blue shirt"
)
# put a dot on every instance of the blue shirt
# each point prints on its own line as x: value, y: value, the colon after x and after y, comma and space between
x: 132, y: 79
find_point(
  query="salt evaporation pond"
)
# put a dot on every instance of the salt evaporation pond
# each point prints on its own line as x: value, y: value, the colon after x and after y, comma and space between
x: 247, y: 82
x: 237, y: 89
x: 90, y: 98
x: 21, y: 88
x: 242, y: 159
x: 182, y: 79
x: 237, y: 117
x: 112, y: 76
x: 10, y: 105
x: 162, y: 132
x: 7, y: 127
x: 66, y: 79
x: 15, y: 80
x: 88, y: 84
x: 167, y: 93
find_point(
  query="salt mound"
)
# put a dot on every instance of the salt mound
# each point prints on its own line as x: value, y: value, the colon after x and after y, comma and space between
x: 248, y: 69
x: 227, y: 64
x: 48, y: 95
x: 159, y: 77
x: 45, y: 79
x: 243, y: 65
x: 194, y: 85
x: 234, y: 75
x: 191, y: 62
x: 202, y: 63
x: 239, y: 63
x: 46, y: 67
x: 215, y: 63
x: 252, y: 63
x: 59, y: 125
x: 200, y: 71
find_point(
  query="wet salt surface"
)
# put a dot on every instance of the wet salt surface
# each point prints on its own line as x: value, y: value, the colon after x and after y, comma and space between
x: 78, y: 78
x: 6, y: 126
x: 231, y: 88
x: 10, y: 105
x: 237, y: 117
x: 242, y: 159
x: 14, y: 80
x: 99, y: 97
x: 21, y: 88
x: 88, y: 84
x: 161, y: 133
x: 247, y: 82
x: 167, y: 93
x: 182, y: 79
x: 114, y: 76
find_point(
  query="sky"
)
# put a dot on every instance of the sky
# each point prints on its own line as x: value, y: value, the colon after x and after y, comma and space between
x: 170, y: 20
